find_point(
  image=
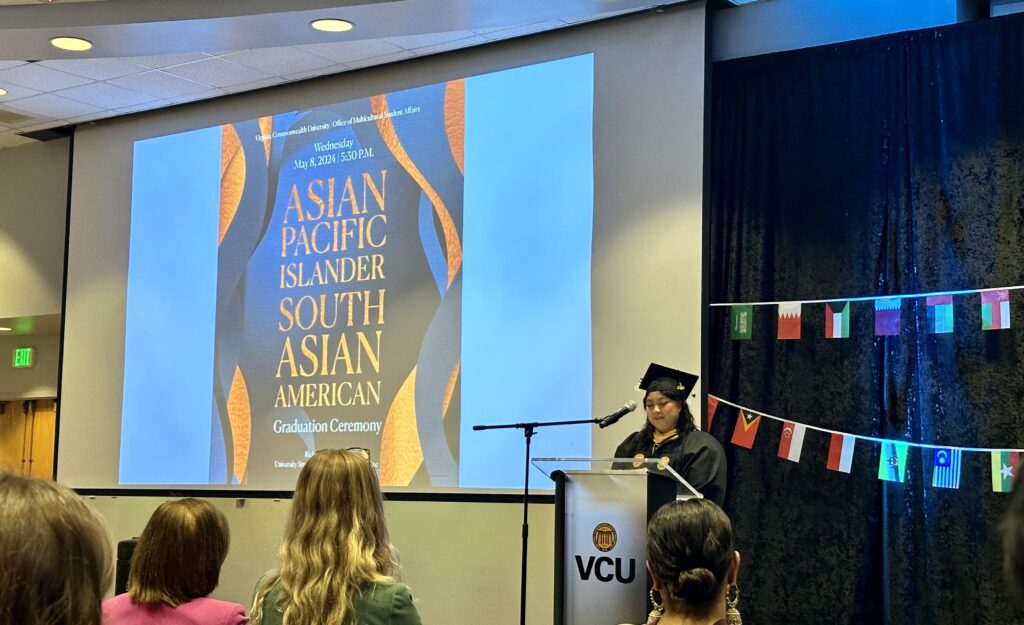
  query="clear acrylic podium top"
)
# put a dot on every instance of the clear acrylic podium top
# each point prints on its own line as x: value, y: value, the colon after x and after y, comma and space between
x: 654, y: 466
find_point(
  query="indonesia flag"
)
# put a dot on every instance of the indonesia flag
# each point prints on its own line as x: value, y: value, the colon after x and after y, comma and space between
x: 840, y: 452
x: 995, y: 309
x: 792, y: 441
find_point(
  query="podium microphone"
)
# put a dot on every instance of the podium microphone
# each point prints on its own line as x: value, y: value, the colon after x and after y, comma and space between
x: 613, y: 418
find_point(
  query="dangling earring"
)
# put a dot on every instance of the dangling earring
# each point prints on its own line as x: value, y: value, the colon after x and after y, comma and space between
x: 732, y: 613
x: 657, y: 611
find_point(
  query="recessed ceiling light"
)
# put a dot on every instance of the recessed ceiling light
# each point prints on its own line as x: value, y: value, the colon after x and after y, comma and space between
x: 331, y: 25
x: 3, y: 92
x: 73, y: 44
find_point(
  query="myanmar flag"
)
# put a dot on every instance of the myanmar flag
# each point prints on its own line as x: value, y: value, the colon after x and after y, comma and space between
x: 1004, y: 464
x: 837, y: 320
x: 940, y: 314
x: 892, y: 463
x: 746, y: 429
x: 789, y: 320
x: 995, y: 309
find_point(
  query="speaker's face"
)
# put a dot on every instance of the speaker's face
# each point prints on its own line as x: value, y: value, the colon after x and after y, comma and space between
x: 662, y: 412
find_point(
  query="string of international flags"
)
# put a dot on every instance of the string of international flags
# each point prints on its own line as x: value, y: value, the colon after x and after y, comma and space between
x: 892, y: 461
x: 995, y: 313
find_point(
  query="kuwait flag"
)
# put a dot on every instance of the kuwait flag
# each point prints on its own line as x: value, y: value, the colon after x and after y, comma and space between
x: 887, y: 317
x: 789, y: 320
x: 840, y: 452
x: 837, y: 320
x: 746, y: 429
x: 995, y: 309
x: 792, y: 441
x: 946, y: 471
x: 1004, y: 463
x: 940, y: 314
x: 741, y: 324
x: 712, y: 407
x: 892, y: 463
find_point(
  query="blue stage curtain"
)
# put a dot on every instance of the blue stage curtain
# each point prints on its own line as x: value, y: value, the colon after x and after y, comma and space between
x: 893, y: 165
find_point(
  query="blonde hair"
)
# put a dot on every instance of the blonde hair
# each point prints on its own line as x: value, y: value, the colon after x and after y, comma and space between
x: 179, y: 554
x: 55, y: 555
x: 335, y: 541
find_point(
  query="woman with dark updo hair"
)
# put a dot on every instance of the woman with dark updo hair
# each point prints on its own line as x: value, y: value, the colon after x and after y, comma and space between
x: 693, y: 565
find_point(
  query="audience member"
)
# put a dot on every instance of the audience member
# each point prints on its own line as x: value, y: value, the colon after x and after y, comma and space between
x: 55, y: 555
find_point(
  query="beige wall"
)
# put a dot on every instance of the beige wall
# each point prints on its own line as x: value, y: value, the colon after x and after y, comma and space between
x: 33, y: 205
x: 460, y: 559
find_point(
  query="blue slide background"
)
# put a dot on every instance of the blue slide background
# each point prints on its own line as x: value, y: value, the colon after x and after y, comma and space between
x: 527, y: 227
x: 526, y: 327
x: 169, y: 321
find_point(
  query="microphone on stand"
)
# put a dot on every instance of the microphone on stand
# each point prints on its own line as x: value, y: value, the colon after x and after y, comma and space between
x: 613, y: 418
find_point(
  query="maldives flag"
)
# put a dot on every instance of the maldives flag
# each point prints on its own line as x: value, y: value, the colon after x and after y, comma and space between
x: 789, y: 321
x: 892, y: 462
x: 712, y: 407
x: 887, y: 317
x: 840, y: 452
x: 1004, y: 466
x: 746, y: 429
x: 995, y: 309
x: 792, y: 441
x: 940, y: 314
x: 837, y: 320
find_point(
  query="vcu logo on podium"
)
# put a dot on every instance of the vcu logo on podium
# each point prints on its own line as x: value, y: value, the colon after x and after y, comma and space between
x: 605, y: 538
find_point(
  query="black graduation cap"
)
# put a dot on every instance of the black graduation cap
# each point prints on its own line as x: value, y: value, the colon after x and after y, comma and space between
x: 668, y: 378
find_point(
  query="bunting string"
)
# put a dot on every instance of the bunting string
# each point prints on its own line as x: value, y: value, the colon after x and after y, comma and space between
x: 863, y: 437
x: 869, y: 298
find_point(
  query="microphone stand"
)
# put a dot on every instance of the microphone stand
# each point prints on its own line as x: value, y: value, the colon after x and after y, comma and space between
x: 528, y: 432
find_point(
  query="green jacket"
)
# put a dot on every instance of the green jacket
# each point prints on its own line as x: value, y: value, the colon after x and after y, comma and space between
x: 377, y: 604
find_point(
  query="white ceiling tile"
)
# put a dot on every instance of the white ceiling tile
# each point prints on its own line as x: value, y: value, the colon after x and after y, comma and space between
x: 167, y: 60
x: 401, y: 55
x: 50, y: 105
x: 279, y: 61
x: 525, y: 29
x: 158, y: 84
x: 9, y: 64
x: 335, y: 68
x: 412, y: 42
x: 475, y: 40
x: 105, y: 95
x: 198, y: 95
x: 253, y: 86
x: 348, y: 51
x: 147, y: 106
x: 217, y: 72
x: 13, y: 140
x: 16, y: 91
x: 35, y: 76
x: 97, y: 69
x: 55, y: 123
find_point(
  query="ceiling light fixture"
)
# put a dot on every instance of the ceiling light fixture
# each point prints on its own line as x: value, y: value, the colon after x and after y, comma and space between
x: 3, y: 92
x: 4, y: 329
x: 331, y: 25
x: 74, y: 44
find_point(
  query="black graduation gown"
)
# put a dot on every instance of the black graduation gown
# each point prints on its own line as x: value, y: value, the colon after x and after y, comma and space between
x: 695, y: 455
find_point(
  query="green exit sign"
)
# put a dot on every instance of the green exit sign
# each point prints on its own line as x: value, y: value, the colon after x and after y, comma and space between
x: 24, y: 357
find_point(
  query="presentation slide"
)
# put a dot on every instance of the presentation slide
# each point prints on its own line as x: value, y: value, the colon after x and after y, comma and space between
x: 381, y: 273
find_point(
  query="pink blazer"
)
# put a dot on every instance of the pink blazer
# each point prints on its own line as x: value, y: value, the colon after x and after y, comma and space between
x: 120, y: 610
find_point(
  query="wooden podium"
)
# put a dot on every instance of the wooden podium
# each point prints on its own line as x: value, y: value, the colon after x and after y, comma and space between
x: 601, y: 515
